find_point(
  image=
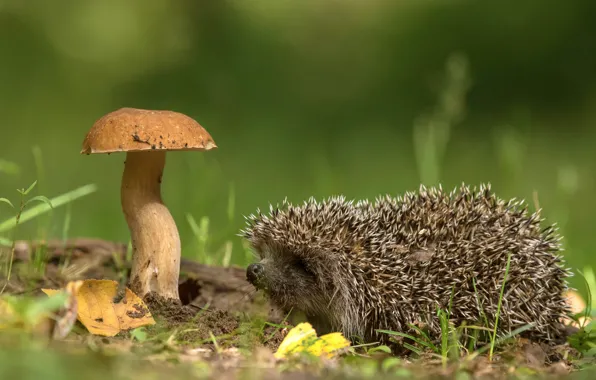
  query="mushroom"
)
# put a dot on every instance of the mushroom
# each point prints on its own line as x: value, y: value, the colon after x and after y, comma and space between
x: 145, y: 136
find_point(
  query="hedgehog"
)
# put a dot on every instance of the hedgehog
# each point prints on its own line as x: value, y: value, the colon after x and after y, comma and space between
x: 392, y: 264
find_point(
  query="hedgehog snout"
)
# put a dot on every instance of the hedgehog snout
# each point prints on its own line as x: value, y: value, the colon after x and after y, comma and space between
x: 254, y: 273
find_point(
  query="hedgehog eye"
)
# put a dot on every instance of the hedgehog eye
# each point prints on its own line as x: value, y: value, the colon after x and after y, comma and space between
x: 300, y: 264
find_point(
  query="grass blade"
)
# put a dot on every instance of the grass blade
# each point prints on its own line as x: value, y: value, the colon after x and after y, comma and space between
x: 231, y: 203
x: 498, y: 341
x: 425, y: 336
x: 444, y: 321
x: 407, y: 336
x: 43, y: 207
x: 415, y: 350
x: 493, y: 341
x: 201, y: 233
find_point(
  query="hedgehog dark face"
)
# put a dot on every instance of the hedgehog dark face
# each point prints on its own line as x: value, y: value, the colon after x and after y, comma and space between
x: 288, y: 280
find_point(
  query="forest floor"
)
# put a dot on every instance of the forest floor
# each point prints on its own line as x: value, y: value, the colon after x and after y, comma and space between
x: 221, y: 329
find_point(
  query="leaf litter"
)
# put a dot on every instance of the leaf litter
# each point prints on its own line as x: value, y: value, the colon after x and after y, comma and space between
x: 99, y: 312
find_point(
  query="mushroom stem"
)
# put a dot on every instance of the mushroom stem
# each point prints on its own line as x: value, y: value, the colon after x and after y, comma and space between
x: 155, y: 238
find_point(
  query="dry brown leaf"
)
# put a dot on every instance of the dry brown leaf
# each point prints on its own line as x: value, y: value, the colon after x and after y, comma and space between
x: 98, y: 312
x: 577, y: 305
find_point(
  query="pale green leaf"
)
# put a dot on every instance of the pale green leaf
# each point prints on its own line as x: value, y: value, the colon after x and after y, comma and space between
x: 30, y: 188
x: 40, y: 198
x: 381, y: 348
x: 4, y: 200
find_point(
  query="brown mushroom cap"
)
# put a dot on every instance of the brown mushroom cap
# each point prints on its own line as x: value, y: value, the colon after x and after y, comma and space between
x: 136, y: 130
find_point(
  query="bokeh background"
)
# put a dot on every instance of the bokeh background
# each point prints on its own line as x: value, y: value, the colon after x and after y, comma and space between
x: 304, y: 98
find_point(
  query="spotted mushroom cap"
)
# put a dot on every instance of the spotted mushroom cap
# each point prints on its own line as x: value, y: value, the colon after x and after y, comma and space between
x: 135, y: 130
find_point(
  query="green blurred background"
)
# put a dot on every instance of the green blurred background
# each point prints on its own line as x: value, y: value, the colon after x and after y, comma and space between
x: 304, y: 98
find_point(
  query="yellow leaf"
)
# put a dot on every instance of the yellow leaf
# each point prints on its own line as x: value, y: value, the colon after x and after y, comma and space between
x: 303, y: 338
x: 295, y: 339
x: 327, y: 344
x: 6, y: 313
x: 100, y: 315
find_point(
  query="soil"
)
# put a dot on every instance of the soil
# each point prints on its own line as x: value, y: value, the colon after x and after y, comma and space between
x: 213, y: 299
x: 198, y: 323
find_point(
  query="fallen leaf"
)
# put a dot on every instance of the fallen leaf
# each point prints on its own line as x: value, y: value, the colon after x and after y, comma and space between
x: 303, y: 338
x: 98, y: 312
x: 65, y: 318
x: 295, y: 338
x: 327, y: 344
x: 577, y: 305
x: 6, y: 313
